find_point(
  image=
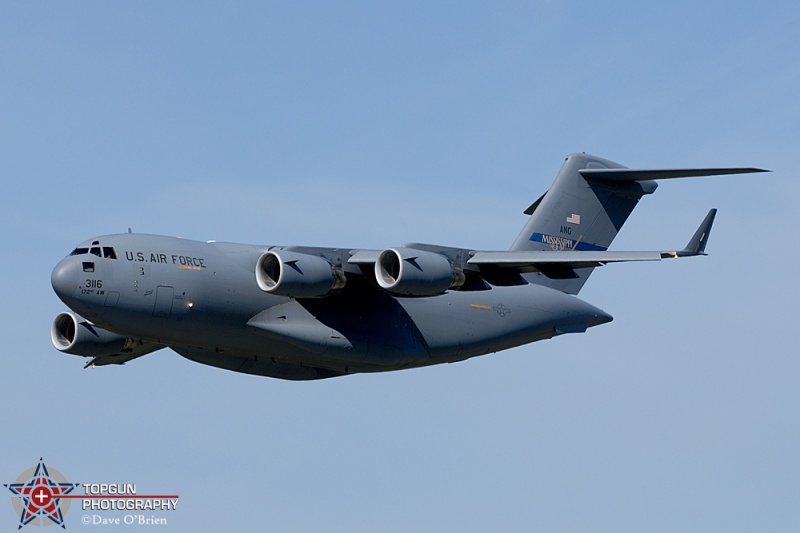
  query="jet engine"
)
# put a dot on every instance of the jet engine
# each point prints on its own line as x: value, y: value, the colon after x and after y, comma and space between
x: 297, y: 275
x: 72, y: 334
x: 415, y: 272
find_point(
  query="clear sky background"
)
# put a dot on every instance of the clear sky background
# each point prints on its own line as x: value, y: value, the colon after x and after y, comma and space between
x: 372, y: 124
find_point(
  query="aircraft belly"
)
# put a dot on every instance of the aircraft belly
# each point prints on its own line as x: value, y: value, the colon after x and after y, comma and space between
x: 349, y: 336
x: 257, y: 365
x: 338, y: 333
x: 325, y: 334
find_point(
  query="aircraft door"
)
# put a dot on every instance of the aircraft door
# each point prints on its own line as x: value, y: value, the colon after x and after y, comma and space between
x: 163, y: 305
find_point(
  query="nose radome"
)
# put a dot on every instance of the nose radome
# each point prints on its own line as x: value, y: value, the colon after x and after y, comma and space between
x: 593, y: 315
x: 65, y: 277
x: 600, y: 317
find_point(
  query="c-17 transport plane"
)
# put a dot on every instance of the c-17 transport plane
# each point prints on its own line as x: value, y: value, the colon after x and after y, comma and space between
x: 303, y: 313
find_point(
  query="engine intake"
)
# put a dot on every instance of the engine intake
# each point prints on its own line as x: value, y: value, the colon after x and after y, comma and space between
x: 297, y: 275
x: 72, y: 334
x: 413, y: 272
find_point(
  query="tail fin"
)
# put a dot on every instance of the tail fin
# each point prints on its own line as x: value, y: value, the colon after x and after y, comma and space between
x: 584, y: 209
x: 580, y: 214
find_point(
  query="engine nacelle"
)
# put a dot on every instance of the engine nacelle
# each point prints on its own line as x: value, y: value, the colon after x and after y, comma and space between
x: 72, y: 334
x: 297, y: 275
x: 415, y: 272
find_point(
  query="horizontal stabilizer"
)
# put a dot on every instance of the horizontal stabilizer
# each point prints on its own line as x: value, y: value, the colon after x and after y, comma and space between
x: 633, y: 174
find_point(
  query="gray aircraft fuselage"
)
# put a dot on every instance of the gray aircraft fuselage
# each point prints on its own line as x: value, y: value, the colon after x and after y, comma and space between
x: 202, y: 300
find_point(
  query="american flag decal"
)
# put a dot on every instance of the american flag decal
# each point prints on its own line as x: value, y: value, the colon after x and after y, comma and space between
x: 574, y: 218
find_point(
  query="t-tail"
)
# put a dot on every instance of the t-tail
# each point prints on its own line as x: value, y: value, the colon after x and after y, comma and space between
x: 584, y: 209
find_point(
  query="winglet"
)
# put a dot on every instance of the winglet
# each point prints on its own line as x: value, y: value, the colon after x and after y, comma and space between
x: 697, y: 244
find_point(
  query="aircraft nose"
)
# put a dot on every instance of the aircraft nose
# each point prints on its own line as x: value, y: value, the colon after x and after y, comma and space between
x: 65, y: 277
x: 600, y: 317
x: 594, y: 316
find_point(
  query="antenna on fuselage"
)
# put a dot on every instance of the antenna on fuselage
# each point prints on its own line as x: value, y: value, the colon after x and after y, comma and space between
x: 129, y: 230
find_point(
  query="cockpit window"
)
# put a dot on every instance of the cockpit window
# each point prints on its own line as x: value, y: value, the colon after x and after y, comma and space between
x: 106, y: 251
x: 88, y: 266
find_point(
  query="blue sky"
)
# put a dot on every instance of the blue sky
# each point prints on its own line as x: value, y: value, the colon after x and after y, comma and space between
x: 374, y: 124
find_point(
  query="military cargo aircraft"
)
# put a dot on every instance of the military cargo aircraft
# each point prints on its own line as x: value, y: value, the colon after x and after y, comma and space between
x: 303, y: 313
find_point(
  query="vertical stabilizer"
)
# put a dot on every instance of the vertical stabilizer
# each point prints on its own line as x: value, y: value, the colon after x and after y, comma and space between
x: 579, y: 213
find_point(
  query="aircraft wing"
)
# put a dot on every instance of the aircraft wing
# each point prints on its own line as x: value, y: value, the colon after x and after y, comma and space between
x: 518, y: 260
x: 570, y: 259
x: 529, y: 261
